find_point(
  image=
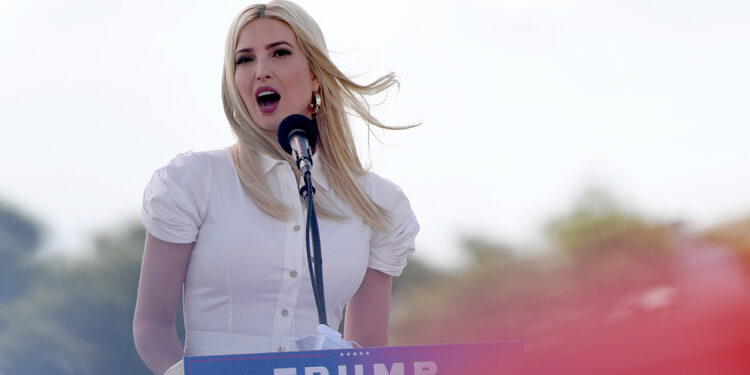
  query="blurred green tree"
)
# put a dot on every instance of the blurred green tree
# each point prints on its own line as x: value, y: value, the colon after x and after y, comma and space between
x: 733, y: 234
x: 487, y: 253
x: 77, y: 317
x: 597, y: 223
x: 416, y: 274
x: 20, y: 237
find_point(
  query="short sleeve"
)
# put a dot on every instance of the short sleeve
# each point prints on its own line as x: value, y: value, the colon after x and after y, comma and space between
x: 174, y: 201
x: 389, y: 250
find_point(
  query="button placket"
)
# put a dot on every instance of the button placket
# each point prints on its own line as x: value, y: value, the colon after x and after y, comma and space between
x: 285, y: 304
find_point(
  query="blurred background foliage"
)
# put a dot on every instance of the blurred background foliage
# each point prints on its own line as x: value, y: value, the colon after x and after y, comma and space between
x: 62, y: 315
x: 595, y: 246
x: 68, y: 316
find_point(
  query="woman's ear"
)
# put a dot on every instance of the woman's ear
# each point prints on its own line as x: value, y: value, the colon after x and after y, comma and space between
x: 315, y: 82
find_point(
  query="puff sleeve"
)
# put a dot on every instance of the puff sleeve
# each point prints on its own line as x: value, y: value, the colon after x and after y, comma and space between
x: 389, y: 250
x: 174, y: 201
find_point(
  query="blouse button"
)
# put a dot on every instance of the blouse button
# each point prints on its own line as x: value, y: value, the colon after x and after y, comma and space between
x: 293, y: 274
x: 284, y: 312
x: 296, y: 228
x: 281, y: 349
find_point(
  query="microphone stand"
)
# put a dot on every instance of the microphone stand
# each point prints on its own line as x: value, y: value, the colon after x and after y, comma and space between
x: 314, y: 258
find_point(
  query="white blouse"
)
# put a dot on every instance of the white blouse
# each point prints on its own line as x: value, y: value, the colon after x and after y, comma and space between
x: 247, y: 288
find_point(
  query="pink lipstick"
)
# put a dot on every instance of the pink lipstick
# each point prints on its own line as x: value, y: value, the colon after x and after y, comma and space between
x: 268, y: 99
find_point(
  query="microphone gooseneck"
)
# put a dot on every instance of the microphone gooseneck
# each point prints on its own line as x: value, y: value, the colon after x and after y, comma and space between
x: 298, y: 135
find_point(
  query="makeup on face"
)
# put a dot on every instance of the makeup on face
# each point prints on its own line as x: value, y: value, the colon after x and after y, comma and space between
x: 272, y: 73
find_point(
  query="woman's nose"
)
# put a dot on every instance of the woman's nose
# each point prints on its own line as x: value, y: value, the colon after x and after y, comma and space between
x: 263, y: 73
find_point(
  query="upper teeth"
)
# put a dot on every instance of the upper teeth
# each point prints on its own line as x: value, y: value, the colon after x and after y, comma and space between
x: 262, y: 93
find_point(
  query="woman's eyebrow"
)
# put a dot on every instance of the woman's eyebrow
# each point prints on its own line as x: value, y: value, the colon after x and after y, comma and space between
x: 269, y: 46
x: 274, y: 44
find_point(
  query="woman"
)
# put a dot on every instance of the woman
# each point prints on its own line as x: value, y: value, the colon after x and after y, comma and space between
x: 227, y: 225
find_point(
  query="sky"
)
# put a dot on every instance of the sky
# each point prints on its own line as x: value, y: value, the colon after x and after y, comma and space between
x: 523, y: 105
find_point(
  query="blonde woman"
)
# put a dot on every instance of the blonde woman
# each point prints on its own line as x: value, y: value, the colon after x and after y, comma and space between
x: 226, y: 228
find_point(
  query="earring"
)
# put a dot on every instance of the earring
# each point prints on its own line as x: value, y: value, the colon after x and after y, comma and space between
x: 316, y: 102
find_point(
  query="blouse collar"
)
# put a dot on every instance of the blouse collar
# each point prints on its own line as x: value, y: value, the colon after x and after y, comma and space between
x: 319, y: 177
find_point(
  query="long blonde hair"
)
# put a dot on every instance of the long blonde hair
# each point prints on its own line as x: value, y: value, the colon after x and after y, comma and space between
x: 336, y: 149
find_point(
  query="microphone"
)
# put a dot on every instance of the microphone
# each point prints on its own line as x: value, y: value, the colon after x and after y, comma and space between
x: 297, y: 136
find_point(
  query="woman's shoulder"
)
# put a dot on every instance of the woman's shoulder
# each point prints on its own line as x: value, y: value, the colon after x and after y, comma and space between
x: 389, y: 249
x: 198, y: 159
x: 192, y: 171
x: 381, y: 190
x: 175, y: 201
x: 196, y: 164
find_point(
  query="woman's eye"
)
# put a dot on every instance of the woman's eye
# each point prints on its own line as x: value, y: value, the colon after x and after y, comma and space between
x: 243, y: 59
x: 282, y: 52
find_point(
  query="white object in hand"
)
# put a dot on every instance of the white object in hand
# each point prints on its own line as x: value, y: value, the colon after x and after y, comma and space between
x: 326, y: 338
x: 176, y: 369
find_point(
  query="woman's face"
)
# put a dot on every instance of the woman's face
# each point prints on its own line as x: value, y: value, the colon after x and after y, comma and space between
x: 272, y: 74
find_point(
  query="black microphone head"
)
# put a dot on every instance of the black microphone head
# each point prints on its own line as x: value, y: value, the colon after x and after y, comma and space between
x: 297, y: 123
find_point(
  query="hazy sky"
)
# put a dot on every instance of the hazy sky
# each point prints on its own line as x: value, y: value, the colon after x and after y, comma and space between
x: 524, y: 104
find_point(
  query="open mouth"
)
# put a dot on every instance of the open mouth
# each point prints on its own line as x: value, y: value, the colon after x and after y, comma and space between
x: 268, y: 99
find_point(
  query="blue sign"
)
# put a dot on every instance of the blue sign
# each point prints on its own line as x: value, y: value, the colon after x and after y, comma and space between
x: 451, y: 359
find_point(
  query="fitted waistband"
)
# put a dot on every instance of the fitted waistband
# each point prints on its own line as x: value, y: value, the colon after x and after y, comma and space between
x: 198, y: 343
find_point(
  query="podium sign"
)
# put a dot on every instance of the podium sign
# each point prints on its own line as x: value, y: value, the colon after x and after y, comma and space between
x: 454, y: 359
